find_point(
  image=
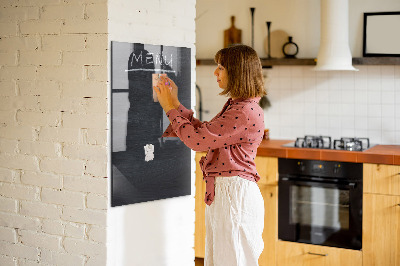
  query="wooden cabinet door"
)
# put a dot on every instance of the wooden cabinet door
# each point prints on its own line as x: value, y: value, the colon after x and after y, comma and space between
x: 297, y: 254
x: 381, y: 230
x: 200, y: 207
x: 267, y: 168
x: 270, y: 233
x: 381, y: 179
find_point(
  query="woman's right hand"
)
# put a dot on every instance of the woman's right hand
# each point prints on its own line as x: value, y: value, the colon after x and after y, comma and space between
x: 174, y: 91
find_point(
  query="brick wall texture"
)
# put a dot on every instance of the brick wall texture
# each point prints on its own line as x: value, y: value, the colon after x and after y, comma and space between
x: 53, y: 132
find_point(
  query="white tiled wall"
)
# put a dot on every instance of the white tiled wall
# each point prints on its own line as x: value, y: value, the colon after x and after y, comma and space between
x: 338, y: 104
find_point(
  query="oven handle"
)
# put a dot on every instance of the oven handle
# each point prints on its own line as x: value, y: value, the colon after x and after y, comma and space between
x: 297, y: 181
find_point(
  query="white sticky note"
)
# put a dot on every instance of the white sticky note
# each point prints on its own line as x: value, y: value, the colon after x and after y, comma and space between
x: 149, y: 152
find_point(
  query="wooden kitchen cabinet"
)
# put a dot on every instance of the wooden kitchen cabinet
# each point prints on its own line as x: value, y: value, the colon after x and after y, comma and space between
x: 267, y: 168
x: 270, y: 233
x: 381, y: 215
x: 381, y: 230
x: 298, y: 254
x: 381, y: 179
x: 200, y: 207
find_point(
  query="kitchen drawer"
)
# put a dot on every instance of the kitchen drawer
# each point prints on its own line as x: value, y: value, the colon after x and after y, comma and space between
x: 381, y: 179
x: 298, y: 254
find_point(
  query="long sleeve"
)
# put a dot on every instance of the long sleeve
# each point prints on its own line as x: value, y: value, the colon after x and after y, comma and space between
x: 231, y: 138
x: 186, y: 113
x: 225, y: 130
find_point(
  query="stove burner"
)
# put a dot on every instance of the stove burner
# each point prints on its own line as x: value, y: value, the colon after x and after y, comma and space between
x: 324, y: 142
x: 351, y: 144
x: 308, y: 141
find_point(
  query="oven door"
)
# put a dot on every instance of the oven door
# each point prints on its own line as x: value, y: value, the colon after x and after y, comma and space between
x: 320, y: 212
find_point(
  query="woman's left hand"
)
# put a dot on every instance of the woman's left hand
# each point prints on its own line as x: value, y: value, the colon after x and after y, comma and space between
x: 163, y: 91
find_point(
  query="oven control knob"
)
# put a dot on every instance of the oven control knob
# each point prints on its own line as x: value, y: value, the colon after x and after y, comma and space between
x: 302, y: 167
x: 336, y: 169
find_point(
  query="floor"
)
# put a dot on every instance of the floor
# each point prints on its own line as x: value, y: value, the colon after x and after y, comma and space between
x: 199, y: 262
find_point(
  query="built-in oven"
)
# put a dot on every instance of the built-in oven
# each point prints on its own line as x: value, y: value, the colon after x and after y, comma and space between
x: 320, y: 202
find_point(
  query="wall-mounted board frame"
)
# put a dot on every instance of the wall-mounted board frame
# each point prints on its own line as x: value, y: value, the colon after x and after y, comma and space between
x: 381, y: 35
x: 145, y: 166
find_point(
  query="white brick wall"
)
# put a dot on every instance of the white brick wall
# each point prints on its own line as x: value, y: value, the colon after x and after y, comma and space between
x: 8, y: 234
x: 75, y: 230
x: 53, y: 126
x: 53, y: 121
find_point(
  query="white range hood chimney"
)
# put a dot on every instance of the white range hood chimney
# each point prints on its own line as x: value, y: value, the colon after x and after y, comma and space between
x: 334, y: 51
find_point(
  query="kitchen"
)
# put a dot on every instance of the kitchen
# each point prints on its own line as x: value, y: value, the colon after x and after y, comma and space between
x: 55, y: 172
x: 304, y: 102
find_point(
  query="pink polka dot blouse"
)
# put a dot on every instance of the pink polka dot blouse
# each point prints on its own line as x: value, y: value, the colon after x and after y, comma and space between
x: 231, y: 139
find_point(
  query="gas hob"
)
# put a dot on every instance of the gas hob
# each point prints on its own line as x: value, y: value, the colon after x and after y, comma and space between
x: 325, y: 142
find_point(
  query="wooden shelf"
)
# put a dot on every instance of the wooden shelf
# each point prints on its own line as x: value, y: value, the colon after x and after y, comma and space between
x: 268, y: 62
x: 312, y: 61
x: 288, y: 62
x: 376, y: 61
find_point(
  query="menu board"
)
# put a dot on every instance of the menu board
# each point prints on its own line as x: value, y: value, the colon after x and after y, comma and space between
x: 145, y: 166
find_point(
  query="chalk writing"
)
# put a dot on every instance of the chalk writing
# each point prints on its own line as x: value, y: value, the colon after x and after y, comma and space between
x: 151, y: 70
x: 151, y: 58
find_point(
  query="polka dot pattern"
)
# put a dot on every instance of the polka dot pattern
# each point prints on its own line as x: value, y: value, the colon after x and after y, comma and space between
x: 231, y: 139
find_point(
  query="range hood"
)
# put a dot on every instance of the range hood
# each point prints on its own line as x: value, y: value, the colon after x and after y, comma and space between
x: 334, y: 51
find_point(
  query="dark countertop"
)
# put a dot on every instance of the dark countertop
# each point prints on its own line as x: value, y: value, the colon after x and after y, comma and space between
x: 379, y: 154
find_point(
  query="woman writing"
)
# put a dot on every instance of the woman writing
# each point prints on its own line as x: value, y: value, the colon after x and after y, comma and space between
x: 235, y: 208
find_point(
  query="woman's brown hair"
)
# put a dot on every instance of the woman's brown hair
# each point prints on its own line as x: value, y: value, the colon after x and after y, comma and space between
x: 245, y: 78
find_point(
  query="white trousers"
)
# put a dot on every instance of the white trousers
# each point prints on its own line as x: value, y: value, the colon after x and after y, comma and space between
x: 234, y: 223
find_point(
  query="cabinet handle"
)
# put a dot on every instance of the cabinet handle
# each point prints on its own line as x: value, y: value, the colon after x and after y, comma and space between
x: 398, y: 204
x: 318, y: 254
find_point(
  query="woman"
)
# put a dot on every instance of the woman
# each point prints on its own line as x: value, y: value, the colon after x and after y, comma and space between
x: 235, y: 207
